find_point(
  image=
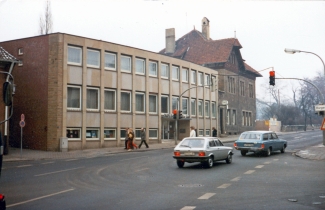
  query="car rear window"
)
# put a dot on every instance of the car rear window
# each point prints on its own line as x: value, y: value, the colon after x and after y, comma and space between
x: 256, y: 136
x: 198, y: 143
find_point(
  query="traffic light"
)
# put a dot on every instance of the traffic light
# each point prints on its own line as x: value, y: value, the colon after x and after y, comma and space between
x: 180, y: 115
x: 272, y: 78
x: 175, y: 114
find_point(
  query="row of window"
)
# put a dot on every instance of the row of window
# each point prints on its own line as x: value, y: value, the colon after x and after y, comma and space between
x: 93, y: 60
x: 242, y: 90
x: 198, y: 107
x: 232, y: 118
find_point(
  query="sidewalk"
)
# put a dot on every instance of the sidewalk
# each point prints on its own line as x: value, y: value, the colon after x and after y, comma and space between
x: 15, y: 154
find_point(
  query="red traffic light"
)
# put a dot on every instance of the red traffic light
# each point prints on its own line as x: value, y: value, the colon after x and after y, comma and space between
x: 175, y: 111
x: 272, y: 78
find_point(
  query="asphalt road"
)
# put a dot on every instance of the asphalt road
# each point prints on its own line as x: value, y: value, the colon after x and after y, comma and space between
x: 152, y: 180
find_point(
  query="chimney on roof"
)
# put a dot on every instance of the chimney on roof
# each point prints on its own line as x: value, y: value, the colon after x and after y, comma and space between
x: 170, y: 40
x: 206, y: 27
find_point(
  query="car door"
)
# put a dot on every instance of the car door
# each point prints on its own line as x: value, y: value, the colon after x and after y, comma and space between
x: 212, y: 148
x: 277, y: 141
x: 222, y: 151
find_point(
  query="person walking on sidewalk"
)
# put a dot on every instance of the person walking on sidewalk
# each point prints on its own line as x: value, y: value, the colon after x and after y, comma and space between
x: 214, y: 132
x: 130, y: 135
x: 126, y: 138
x: 143, y: 138
x: 193, y: 133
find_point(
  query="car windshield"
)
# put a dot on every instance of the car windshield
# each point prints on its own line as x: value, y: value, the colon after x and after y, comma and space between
x: 255, y: 136
x: 198, y: 143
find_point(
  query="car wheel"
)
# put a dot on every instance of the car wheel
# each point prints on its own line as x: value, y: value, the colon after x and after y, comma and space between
x: 243, y: 152
x: 180, y: 164
x: 229, y: 159
x: 268, y: 152
x: 283, y: 149
x: 209, y: 162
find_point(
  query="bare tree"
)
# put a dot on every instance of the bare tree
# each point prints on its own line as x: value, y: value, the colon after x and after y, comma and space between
x: 45, y: 24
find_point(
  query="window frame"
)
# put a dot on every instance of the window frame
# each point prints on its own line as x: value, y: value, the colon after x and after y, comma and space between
x: 107, y: 67
x: 175, y: 68
x: 74, y: 129
x: 130, y: 63
x: 162, y: 105
x: 200, y: 79
x: 156, y: 103
x: 98, y: 99
x: 175, y: 99
x: 213, y: 109
x: 153, y: 137
x: 130, y: 101
x: 162, y: 70
x: 207, y: 109
x: 156, y: 69
x: 114, y: 91
x: 143, y: 102
x: 200, y: 108
x: 80, y: 55
x: 193, y: 107
x: 97, y: 58
x: 193, y: 77
x: 184, y: 108
x: 110, y: 138
x: 184, y: 70
x: 80, y: 99
x: 93, y: 129
x: 143, y: 70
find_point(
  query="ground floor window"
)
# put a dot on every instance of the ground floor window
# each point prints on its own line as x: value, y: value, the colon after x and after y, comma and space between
x: 92, y: 134
x: 207, y: 132
x: 201, y: 132
x: 74, y: 133
x: 153, y: 133
x: 110, y: 133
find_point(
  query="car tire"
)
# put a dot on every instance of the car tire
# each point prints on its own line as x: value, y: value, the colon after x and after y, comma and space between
x: 229, y: 159
x: 209, y: 162
x: 180, y: 164
x: 243, y: 152
x: 268, y: 152
x: 283, y: 149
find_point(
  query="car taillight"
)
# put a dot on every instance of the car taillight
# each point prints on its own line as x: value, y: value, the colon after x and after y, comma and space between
x: 235, y: 144
x: 177, y: 154
x: 262, y: 145
x: 201, y: 154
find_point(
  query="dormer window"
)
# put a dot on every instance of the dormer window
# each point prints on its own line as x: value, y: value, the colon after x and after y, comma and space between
x: 232, y: 58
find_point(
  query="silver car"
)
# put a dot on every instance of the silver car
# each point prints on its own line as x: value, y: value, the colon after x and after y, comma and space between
x: 205, y: 150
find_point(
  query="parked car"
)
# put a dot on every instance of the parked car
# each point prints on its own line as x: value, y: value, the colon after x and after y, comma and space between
x: 205, y: 150
x: 260, y: 142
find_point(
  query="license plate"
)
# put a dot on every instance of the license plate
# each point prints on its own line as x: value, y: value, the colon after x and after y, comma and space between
x: 188, y: 153
x: 248, y: 145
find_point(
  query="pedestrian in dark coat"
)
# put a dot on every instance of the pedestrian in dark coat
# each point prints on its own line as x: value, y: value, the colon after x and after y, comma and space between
x: 126, y: 138
x: 214, y: 132
x: 143, y: 138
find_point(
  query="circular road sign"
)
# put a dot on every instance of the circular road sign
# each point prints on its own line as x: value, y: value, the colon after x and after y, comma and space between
x: 22, y: 123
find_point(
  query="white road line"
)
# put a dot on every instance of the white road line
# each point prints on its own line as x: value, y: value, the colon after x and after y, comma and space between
x: 275, y: 159
x: 236, y: 179
x: 206, y: 196
x: 34, y: 199
x: 267, y: 162
x: 71, y: 159
x: 133, y: 158
x: 142, y: 169
x: 188, y: 208
x: 23, y: 166
x: 249, y: 172
x: 47, y: 163
x: 54, y: 172
x: 224, y: 186
x: 259, y: 166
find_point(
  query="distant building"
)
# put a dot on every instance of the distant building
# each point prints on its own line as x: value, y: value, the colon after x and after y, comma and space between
x: 89, y: 91
x: 236, y: 81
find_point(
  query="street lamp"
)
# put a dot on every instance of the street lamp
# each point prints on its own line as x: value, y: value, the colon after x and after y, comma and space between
x: 292, y: 51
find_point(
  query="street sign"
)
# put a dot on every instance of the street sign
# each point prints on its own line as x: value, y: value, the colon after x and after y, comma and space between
x: 22, y: 123
x: 320, y: 107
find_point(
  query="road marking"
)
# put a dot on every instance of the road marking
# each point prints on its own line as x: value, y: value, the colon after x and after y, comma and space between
x: 188, y: 207
x: 224, y: 186
x: 23, y: 166
x: 259, y: 166
x: 71, y: 159
x: 142, y: 169
x: 267, y: 162
x: 206, y: 196
x: 34, y: 199
x: 275, y: 159
x: 133, y: 158
x: 48, y: 163
x: 249, y: 172
x: 54, y: 172
x: 236, y: 179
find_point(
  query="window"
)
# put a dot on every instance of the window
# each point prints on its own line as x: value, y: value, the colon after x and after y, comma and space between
x: 175, y: 73
x: 164, y: 105
x: 74, y: 97
x: 74, y: 133
x: 175, y: 104
x: 233, y: 117
x: 123, y: 133
x: 231, y: 85
x: 251, y: 90
x: 185, y: 75
x: 140, y: 66
x: 153, y: 69
x: 74, y: 55
x: 164, y: 71
x: 110, y: 100
x: 200, y: 108
x: 137, y: 133
x: 93, y: 98
x: 207, y: 79
x: 228, y: 117
x: 207, y: 132
x: 92, y: 134
x: 213, y: 109
x: 207, y: 109
x: 153, y: 133
x: 126, y: 63
x: 193, y: 107
x: 139, y: 102
x: 200, y: 78
x: 201, y: 132
x: 126, y: 101
x: 247, y: 118
x: 93, y: 58
x: 193, y: 77
x: 109, y: 133
x: 184, y: 105
x: 110, y: 61
x: 153, y: 103
x: 242, y: 88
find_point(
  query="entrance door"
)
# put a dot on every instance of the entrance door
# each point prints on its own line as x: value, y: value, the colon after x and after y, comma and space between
x: 168, y: 129
x: 222, y: 131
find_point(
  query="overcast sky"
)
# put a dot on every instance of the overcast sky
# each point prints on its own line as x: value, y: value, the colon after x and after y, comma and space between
x: 264, y: 28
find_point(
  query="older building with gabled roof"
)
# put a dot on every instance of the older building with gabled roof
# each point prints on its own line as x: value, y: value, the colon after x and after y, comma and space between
x: 236, y: 81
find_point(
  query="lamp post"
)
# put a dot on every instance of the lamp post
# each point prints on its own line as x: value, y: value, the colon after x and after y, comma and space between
x: 292, y: 51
